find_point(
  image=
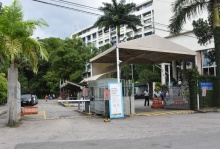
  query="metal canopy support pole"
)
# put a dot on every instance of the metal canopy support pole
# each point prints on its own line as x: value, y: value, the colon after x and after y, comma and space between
x: 118, y: 62
x: 169, y: 74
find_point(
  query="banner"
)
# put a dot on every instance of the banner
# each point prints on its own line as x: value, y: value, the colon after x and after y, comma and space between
x: 116, y: 103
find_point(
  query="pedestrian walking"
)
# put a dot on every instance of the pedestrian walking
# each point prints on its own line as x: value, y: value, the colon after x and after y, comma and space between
x: 146, y: 97
x: 53, y: 96
x: 46, y: 97
x: 162, y: 97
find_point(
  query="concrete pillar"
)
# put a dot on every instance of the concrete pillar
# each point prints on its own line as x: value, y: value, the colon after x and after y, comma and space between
x: 174, y: 72
x: 163, y: 76
x: 198, y: 60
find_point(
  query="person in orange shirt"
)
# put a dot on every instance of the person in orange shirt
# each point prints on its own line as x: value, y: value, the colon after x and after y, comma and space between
x: 46, y: 97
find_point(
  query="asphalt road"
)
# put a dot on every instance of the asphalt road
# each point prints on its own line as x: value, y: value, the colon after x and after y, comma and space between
x: 73, y: 130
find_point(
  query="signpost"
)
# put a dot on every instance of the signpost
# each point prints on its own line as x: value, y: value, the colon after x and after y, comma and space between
x: 203, y: 96
x: 205, y: 86
x: 106, y: 99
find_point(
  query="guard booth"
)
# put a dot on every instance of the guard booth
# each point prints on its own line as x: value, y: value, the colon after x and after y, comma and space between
x: 96, y: 90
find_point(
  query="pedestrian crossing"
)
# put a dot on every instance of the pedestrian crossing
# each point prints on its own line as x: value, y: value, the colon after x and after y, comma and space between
x: 165, y: 113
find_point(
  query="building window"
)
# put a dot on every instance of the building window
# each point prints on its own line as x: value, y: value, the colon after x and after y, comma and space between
x: 208, y: 68
x: 139, y: 30
x: 114, y: 43
x: 114, y: 38
x: 206, y: 61
x: 100, y: 42
x: 94, y: 36
x: 107, y: 40
x: 89, y: 38
x: 129, y: 33
x: 113, y: 33
x: 100, y: 33
x: 83, y: 39
x: 94, y: 42
x: 147, y: 5
x: 147, y: 21
x: 147, y: 14
x: 148, y: 33
x: 148, y: 27
x: 106, y: 31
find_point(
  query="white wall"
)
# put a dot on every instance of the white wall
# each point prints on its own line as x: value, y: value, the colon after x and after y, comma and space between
x: 163, y: 13
x: 190, y: 41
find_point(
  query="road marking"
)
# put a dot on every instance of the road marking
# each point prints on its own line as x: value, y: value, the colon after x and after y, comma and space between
x: 57, y: 118
x: 49, y: 106
x: 39, y: 114
x: 165, y: 113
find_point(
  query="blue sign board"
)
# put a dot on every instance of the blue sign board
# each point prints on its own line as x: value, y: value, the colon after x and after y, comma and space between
x: 207, y: 85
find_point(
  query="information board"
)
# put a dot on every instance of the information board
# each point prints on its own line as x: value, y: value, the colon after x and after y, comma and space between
x: 106, y: 94
x: 116, y: 102
x: 207, y: 85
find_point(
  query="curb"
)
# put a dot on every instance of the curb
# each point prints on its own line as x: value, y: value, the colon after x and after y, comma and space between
x: 165, y: 113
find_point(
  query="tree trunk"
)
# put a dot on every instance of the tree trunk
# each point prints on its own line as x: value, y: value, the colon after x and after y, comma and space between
x: 217, y: 60
x: 118, y: 33
x: 12, y: 117
x: 216, y: 31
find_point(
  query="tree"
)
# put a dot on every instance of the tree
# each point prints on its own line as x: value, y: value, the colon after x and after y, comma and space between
x: 148, y: 76
x: 3, y: 87
x: 184, y: 9
x: 69, y: 60
x: 18, y: 47
x: 117, y: 14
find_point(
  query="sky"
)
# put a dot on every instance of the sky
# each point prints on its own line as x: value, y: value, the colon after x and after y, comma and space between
x: 62, y: 22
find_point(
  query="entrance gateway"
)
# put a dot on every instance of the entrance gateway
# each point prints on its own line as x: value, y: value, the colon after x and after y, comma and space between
x: 151, y: 49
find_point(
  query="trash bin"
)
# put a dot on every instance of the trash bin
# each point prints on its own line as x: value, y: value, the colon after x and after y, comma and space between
x: 87, y: 104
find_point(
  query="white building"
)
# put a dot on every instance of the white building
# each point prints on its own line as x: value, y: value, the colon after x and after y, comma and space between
x: 155, y: 16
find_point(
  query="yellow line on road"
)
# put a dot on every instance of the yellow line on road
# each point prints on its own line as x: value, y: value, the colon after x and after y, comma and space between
x: 165, y: 113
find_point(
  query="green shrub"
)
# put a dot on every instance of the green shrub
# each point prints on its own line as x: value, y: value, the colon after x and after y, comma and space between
x: 3, y: 87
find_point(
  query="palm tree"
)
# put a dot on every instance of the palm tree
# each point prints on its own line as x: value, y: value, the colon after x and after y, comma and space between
x: 184, y: 9
x: 17, y: 46
x: 117, y: 14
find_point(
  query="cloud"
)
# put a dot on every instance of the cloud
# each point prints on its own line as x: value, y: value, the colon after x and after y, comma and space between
x: 62, y: 22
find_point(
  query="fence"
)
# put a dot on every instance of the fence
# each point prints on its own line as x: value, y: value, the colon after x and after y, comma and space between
x: 177, y: 97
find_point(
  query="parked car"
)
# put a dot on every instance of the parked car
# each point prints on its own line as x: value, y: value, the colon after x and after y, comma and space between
x: 35, y: 99
x: 27, y: 99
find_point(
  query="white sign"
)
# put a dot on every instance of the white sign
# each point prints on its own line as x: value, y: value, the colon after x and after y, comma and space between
x: 116, y: 102
x: 203, y: 92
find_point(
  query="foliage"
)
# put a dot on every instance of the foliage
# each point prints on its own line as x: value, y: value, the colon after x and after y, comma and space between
x: 70, y: 58
x: 3, y: 87
x: 193, y: 88
x: 202, y: 30
x: 15, y: 38
x: 105, y: 47
x: 210, y: 100
x: 116, y: 14
x: 67, y: 59
x: 147, y: 76
x: 158, y: 86
x: 184, y: 9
